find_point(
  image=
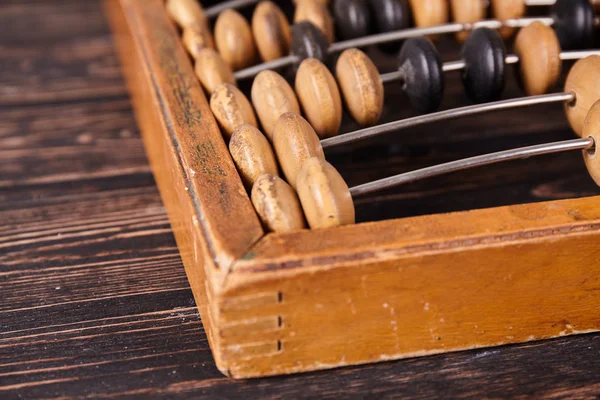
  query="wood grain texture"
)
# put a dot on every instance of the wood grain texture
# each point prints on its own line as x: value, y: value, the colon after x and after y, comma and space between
x: 140, y: 336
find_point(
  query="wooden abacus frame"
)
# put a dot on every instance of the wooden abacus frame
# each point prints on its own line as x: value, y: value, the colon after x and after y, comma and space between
x: 316, y: 299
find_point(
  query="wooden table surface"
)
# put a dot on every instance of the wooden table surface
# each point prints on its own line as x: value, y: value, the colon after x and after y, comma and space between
x: 94, y: 301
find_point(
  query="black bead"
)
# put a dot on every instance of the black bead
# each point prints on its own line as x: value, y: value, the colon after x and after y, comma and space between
x: 483, y: 54
x: 389, y: 16
x: 574, y: 23
x: 308, y: 42
x: 421, y: 66
x: 352, y: 18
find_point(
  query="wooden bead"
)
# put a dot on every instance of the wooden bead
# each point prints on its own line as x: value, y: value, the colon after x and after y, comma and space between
x: 484, y: 56
x: 197, y: 38
x: 467, y: 11
x: 574, y: 23
x: 187, y: 13
x: 508, y: 9
x: 252, y: 154
x: 429, y: 12
x: 352, y: 18
x: 316, y: 12
x: 295, y: 141
x: 271, y: 31
x: 390, y: 15
x: 308, y: 42
x: 319, y: 97
x: 271, y: 97
x: 595, y: 5
x: 212, y: 70
x: 361, y: 86
x: 591, y: 129
x: 234, y: 39
x: 277, y: 205
x: 231, y: 108
x: 324, y: 195
x: 539, y: 58
x: 584, y: 81
x: 421, y: 67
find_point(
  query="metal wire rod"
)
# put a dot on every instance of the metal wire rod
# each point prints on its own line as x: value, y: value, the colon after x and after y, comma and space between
x: 472, y: 162
x: 387, y: 37
x: 454, y: 113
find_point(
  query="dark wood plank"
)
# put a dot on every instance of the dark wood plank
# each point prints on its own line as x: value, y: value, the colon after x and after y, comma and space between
x: 50, y: 53
x: 94, y: 302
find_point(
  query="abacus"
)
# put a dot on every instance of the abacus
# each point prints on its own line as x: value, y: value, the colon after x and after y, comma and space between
x: 243, y: 117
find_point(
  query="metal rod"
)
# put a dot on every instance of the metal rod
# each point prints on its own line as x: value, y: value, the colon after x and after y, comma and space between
x: 214, y: 11
x: 254, y: 70
x: 365, y: 133
x: 542, y: 3
x: 467, y: 163
x: 387, y: 37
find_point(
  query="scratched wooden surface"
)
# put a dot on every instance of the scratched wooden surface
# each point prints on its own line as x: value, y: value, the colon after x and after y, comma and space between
x: 94, y: 302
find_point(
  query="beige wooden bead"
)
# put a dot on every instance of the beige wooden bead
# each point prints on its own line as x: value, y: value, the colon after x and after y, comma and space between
x: 319, y: 97
x: 467, y: 11
x: 277, y: 205
x: 271, y: 97
x: 429, y: 12
x: 584, y: 81
x: 271, y: 31
x: 361, y: 86
x: 197, y: 38
x: 231, y: 108
x: 508, y: 9
x: 252, y: 154
x: 212, y: 70
x: 234, y: 40
x: 295, y: 141
x: 316, y: 12
x: 324, y: 195
x: 591, y: 129
x: 187, y: 13
x: 538, y: 49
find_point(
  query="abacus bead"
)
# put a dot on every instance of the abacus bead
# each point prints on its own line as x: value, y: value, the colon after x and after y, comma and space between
x: 271, y: 97
x: 212, y: 70
x: 574, y: 23
x: 467, y: 11
x: 252, y: 154
x: 361, y: 86
x: 316, y: 12
x: 277, y: 205
x: 271, y: 31
x: 390, y: 15
x: 591, y: 129
x: 319, y: 97
x: 295, y: 141
x: 187, y: 13
x: 352, y: 18
x: 231, y: 108
x: 584, y: 81
x: 234, y: 39
x: 595, y: 5
x: 324, y: 195
x: 197, y: 38
x: 421, y: 65
x: 429, y: 12
x: 508, y: 9
x: 484, y: 54
x: 539, y: 58
x: 308, y: 42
